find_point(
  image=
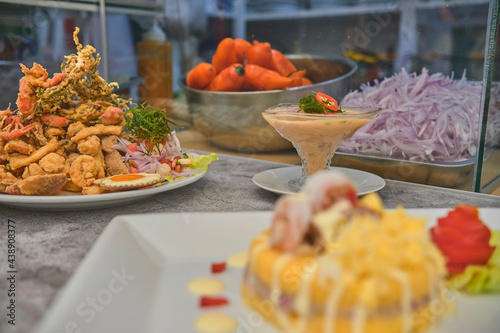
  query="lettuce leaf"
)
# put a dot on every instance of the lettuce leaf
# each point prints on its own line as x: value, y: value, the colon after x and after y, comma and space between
x: 203, y: 161
x: 477, y: 279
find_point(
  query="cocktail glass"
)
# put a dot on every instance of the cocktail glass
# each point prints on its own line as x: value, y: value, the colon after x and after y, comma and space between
x: 316, y: 137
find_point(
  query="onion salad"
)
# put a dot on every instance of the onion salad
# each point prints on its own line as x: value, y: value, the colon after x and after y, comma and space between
x: 170, y: 161
x: 424, y: 118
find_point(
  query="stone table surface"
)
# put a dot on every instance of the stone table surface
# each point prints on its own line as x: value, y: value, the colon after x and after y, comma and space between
x: 50, y: 245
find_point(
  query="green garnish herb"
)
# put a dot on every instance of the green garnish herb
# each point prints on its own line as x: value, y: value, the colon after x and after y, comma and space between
x: 309, y: 104
x: 148, y: 124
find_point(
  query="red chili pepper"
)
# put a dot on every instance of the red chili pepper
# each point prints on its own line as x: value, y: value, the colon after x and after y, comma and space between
x: 260, y: 54
x: 200, y: 76
x: 242, y: 46
x: 266, y: 79
x: 297, y: 77
x: 225, y: 55
x: 209, y: 301
x: 327, y: 101
x: 306, y: 81
x: 230, y: 79
x: 218, y: 267
x: 281, y: 64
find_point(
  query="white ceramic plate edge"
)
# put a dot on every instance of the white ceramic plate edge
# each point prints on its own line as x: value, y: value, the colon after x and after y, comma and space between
x: 70, y: 201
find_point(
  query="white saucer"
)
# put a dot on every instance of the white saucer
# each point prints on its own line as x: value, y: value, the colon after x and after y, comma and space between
x: 276, y: 180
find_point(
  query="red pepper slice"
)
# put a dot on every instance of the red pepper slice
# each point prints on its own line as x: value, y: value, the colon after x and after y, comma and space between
x: 327, y: 101
x: 218, y: 267
x: 210, y: 301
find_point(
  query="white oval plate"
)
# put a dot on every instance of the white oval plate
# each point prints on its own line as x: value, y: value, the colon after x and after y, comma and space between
x: 276, y: 180
x: 65, y: 200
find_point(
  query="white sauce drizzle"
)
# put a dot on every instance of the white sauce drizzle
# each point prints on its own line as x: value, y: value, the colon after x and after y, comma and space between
x: 402, y: 278
x: 359, y: 320
x: 332, y: 302
x: 303, y: 299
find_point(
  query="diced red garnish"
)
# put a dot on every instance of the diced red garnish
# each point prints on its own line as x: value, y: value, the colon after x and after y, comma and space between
x: 133, y: 167
x: 210, y: 301
x: 132, y: 147
x: 218, y: 267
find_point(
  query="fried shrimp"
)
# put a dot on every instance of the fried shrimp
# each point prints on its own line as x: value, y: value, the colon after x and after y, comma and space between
x: 83, y: 171
x: 52, y: 163
x: 19, y: 146
x: 91, y: 145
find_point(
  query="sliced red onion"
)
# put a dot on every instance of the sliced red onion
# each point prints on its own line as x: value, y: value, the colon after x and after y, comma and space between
x: 425, y: 117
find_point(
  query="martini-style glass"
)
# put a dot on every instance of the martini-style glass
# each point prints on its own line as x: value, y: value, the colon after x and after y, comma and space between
x: 316, y: 137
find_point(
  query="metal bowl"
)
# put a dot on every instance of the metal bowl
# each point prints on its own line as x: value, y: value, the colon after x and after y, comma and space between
x: 233, y: 120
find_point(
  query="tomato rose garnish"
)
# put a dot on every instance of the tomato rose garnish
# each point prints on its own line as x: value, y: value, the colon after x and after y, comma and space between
x: 462, y: 238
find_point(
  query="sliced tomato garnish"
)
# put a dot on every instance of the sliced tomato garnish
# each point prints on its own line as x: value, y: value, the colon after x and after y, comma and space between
x: 327, y: 101
x: 218, y: 267
x: 209, y: 301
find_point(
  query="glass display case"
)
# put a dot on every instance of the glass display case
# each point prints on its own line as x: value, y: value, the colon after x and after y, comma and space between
x: 400, y: 45
x: 398, y: 48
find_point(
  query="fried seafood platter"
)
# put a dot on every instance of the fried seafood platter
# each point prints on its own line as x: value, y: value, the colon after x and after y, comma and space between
x: 71, y: 132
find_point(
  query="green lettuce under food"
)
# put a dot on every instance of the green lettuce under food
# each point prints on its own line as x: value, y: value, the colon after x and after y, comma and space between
x: 477, y: 279
x: 201, y: 162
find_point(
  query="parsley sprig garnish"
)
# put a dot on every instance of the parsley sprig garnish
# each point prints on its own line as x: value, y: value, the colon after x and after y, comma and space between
x: 148, y: 124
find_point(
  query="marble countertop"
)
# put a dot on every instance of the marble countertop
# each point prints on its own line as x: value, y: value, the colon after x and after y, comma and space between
x: 50, y: 244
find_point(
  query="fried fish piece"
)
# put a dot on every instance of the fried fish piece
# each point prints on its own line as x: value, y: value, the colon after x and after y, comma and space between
x: 98, y: 129
x: 17, y: 162
x: 114, y: 164
x: 38, y: 185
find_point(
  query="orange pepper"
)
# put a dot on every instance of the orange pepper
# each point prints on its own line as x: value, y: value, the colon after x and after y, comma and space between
x: 306, y: 81
x: 297, y: 77
x: 225, y: 55
x: 266, y: 79
x: 242, y: 46
x: 230, y: 79
x: 281, y: 64
x: 200, y: 76
x: 260, y: 54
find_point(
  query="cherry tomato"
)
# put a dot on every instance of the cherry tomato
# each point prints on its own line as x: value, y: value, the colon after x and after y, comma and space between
x: 327, y: 101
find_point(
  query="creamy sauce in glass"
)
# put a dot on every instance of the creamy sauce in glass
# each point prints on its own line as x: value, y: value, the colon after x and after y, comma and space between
x: 316, y: 137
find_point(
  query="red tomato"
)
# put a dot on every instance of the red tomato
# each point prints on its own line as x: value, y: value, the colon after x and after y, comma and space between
x: 327, y: 101
x: 462, y: 238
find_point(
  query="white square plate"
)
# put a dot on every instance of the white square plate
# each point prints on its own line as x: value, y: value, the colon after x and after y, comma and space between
x: 134, y: 279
